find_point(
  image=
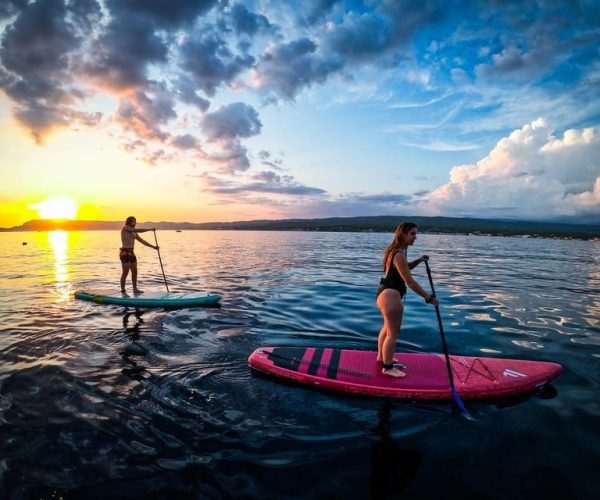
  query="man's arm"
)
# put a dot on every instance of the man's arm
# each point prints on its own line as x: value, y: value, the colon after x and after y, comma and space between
x: 144, y: 242
x: 130, y: 229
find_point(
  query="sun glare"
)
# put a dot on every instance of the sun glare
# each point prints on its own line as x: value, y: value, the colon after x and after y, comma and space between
x: 56, y: 208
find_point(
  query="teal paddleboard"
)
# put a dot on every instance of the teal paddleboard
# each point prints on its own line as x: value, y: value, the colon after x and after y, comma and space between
x: 149, y: 299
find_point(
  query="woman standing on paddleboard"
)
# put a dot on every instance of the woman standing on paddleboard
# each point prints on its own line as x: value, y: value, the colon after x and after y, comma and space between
x: 391, y: 291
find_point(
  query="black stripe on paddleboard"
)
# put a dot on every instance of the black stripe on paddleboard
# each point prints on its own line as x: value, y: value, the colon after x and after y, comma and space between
x: 287, y: 357
x: 313, y: 368
x: 334, y: 362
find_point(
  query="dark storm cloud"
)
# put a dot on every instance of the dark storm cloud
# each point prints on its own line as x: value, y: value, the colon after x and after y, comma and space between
x: 317, y: 9
x: 35, y: 57
x: 134, y: 38
x: 42, y: 56
x: 187, y: 93
x: 210, y: 63
x: 544, y: 35
x: 163, y: 14
x: 288, y: 69
x: 123, y: 52
x: 244, y: 21
x: 11, y: 7
x: 237, y: 120
x: 363, y: 35
x: 360, y: 36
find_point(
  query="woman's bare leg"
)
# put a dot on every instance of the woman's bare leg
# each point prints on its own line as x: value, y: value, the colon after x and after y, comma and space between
x: 380, y: 339
x: 391, y: 308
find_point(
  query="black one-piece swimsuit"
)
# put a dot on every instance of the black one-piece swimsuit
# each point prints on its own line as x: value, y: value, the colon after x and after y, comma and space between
x: 392, y: 280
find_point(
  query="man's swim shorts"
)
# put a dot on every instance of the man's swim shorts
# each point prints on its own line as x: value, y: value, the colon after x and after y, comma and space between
x: 127, y: 256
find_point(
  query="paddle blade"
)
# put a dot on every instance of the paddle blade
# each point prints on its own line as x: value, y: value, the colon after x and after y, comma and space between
x: 459, y: 402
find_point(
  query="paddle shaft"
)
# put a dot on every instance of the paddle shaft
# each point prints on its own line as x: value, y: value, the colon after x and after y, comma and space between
x: 160, y: 260
x: 439, y: 318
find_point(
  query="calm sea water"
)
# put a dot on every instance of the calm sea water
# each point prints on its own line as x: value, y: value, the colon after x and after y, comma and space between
x: 107, y: 402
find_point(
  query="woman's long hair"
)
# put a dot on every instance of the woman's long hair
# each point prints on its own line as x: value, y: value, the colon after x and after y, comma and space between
x: 401, y: 231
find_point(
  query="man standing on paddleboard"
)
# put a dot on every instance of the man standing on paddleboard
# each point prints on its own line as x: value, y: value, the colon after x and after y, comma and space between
x: 129, y: 234
x: 391, y: 291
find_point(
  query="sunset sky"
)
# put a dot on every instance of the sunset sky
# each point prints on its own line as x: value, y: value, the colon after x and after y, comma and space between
x: 206, y: 110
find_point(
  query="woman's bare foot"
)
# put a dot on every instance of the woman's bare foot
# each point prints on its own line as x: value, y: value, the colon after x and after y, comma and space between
x: 393, y: 372
x: 397, y: 363
x: 124, y: 293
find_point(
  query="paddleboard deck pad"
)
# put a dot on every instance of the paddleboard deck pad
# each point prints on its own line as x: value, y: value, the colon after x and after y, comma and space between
x: 359, y: 372
x: 150, y: 299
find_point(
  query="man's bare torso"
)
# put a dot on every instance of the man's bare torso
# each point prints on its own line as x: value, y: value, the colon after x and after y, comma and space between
x: 127, y: 238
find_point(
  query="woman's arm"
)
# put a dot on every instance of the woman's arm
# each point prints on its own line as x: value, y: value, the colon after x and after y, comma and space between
x: 403, y: 268
x: 416, y: 262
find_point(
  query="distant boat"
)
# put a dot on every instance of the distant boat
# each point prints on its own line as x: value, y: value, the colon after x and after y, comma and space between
x: 178, y: 230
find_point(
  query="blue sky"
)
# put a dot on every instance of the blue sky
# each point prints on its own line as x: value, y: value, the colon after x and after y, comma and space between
x: 212, y: 110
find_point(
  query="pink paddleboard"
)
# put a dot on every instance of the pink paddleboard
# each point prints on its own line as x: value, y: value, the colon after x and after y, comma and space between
x: 426, y: 374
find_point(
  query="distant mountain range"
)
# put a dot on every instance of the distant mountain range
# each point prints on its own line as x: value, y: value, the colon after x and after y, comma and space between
x: 383, y: 223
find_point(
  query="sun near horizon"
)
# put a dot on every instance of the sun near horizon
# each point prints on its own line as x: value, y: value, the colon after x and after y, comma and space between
x: 57, y: 207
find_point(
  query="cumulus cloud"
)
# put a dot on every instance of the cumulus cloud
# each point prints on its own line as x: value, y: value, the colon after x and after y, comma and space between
x: 533, y: 173
x: 123, y: 51
x: 224, y: 129
x: 145, y: 113
x: 210, y: 62
x: 513, y: 62
x: 317, y: 9
x: 366, y: 35
x: 187, y: 91
x: 164, y: 15
x: 185, y: 141
x: 231, y: 122
x: 247, y: 22
x: 287, y: 69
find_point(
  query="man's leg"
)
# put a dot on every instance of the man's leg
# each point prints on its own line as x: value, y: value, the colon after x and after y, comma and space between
x: 125, y: 266
x: 134, y: 278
